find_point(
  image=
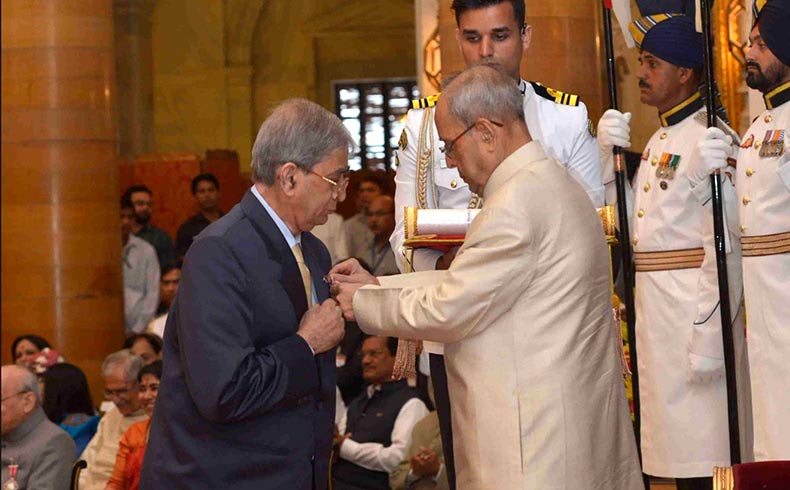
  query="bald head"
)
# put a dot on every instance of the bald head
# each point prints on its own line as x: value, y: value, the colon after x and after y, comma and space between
x: 482, y: 91
x: 381, y: 217
x: 20, y: 396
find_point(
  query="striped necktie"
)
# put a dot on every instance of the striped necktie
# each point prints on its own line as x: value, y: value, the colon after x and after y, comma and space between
x: 303, y: 269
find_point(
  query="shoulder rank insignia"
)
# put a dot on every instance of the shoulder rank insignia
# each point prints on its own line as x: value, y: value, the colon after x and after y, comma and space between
x: 555, y: 95
x: 403, y: 141
x: 429, y: 101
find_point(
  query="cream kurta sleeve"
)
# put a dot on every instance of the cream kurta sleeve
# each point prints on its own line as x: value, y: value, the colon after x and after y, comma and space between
x: 494, y: 266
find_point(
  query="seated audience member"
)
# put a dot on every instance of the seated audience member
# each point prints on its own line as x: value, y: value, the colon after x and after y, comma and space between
x: 67, y: 402
x: 168, y: 287
x: 423, y: 467
x: 40, y: 452
x: 205, y: 188
x: 147, y: 346
x: 381, y: 222
x: 131, y: 449
x: 141, y: 198
x: 25, y: 348
x: 373, y: 437
x: 369, y: 185
x: 140, y: 275
x: 119, y: 370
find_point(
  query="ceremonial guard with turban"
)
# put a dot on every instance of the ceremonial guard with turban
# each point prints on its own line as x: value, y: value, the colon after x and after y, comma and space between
x: 678, y: 325
x: 763, y: 185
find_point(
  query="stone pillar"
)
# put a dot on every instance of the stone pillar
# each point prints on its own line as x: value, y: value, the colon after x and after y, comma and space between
x: 564, y: 53
x: 61, y: 253
x: 134, y: 71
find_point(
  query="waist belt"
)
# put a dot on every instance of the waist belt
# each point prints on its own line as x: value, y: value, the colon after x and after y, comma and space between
x: 690, y: 258
x: 757, y: 246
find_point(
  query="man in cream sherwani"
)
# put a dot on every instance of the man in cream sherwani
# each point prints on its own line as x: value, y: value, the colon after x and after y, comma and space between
x: 524, y: 310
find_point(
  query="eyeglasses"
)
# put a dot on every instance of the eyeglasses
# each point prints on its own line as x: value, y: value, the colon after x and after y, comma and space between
x: 447, y: 149
x: 15, y: 394
x: 338, y: 187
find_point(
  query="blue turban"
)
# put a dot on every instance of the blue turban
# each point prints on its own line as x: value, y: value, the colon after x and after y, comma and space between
x: 774, y: 24
x: 671, y: 37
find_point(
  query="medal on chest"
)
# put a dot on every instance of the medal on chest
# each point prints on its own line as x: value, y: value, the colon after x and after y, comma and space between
x: 667, y: 165
x: 773, y: 143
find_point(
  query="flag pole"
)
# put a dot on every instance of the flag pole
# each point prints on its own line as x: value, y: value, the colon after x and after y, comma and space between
x: 620, y: 172
x: 721, y: 253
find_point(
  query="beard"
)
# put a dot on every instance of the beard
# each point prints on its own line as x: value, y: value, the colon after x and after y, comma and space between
x: 765, y: 80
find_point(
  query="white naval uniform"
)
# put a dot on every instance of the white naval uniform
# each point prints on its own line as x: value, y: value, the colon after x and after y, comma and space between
x: 763, y: 185
x: 563, y: 131
x: 684, y: 424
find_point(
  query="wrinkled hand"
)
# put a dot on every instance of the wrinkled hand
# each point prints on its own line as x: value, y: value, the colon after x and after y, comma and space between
x: 443, y: 263
x: 614, y: 130
x: 322, y: 327
x: 338, y: 439
x: 343, y: 292
x: 715, y: 147
x: 353, y: 271
x: 425, y: 463
x: 704, y: 369
x: 345, y: 278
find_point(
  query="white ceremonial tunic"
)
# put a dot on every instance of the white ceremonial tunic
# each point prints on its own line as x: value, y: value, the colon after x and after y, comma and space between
x: 537, y: 396
x: 562, y: 129
x: 763, y: 185
x: 684, y: 423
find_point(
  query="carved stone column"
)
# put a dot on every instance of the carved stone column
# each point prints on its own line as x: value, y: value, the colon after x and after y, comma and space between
x: 61, y: 253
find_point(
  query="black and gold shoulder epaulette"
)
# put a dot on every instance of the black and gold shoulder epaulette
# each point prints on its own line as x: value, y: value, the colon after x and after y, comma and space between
x: 429, y: 101
x: 555, y: 95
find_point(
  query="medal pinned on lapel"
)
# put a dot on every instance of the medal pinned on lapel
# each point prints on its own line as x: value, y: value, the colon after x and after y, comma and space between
x: 646, y: 154
x: 748, y: 142
x: 667, y: 166
x: 773, y: 143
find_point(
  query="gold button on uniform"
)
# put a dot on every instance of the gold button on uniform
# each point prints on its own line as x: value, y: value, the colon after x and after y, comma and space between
x: 746, y: 200
x: 654, y: 161
x: 768, y: 118
x: 641, y: 213
x: 647, y: 187
x: 453, y: 184
x: 663, y: 136
x: 756, y: 145
x: 635, y: 240
x: 743, y: 228
x: 749, y: 172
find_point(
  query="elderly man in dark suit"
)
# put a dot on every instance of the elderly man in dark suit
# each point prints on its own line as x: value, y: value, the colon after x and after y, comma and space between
x: 247, y: 397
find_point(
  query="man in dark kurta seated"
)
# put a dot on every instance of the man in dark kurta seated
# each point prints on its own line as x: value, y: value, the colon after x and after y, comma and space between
x: 375, y: 433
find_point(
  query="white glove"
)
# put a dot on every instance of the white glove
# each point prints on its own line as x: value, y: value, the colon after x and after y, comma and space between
x: 613, y: 130
x: 704, y: 369
x: 715, y: 148
x: 706, y: 354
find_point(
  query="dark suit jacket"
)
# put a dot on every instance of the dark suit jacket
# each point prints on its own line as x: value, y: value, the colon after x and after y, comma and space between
x: 243, y: 403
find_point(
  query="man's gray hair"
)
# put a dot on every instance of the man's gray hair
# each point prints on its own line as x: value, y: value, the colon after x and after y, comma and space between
x: 28, y: 382
x: 125, y: 359
x: 483, y: 91
x: 297, y: 131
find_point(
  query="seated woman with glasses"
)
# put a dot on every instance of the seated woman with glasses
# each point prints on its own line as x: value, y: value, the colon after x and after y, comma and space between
x: 131, y: 450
